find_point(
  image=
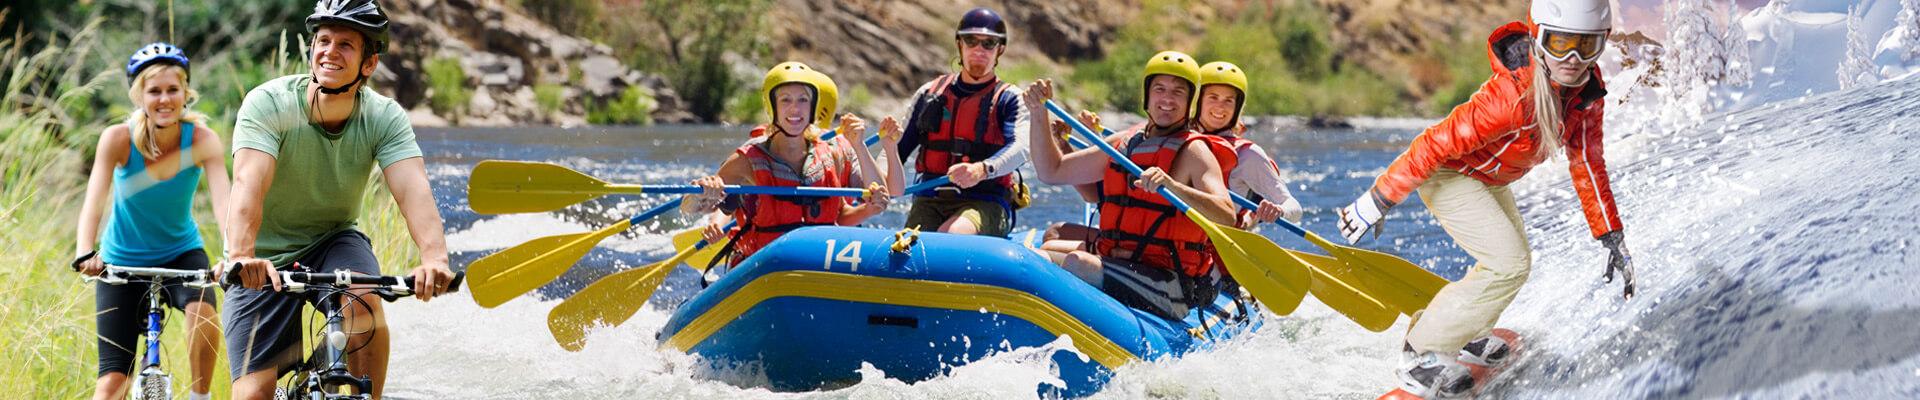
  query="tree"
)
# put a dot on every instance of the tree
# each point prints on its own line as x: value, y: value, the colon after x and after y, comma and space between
x: 1739, y: 61
x: 696, y: 38
x: 1908, y: 24
x: 1694, y: 54
x: 1856, y: 68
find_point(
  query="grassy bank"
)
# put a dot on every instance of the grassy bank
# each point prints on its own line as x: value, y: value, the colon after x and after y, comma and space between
x: 59, y: 93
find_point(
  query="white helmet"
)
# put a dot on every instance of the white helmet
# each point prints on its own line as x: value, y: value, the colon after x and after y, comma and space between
x: 1573, y: 16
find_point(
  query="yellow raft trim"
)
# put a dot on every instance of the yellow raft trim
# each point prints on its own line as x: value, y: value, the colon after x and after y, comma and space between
x: 902, y: 292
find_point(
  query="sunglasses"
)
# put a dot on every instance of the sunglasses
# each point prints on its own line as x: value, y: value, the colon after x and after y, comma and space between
x: 981, y: 42
x: 1562, y: 46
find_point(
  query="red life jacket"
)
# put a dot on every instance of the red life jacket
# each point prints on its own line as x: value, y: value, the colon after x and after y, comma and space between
x: 1144, y: 223
x: 766, y: 217
x: 1235, y: 144
x: 969, y: 131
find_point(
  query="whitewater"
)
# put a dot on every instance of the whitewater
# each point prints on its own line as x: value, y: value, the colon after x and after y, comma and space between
x: 1774, y: 245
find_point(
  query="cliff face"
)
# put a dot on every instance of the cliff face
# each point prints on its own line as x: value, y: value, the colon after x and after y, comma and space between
x: 891, y: 47
x: 882, y: 50
x: 1389, y: 37
x: 504, y: 54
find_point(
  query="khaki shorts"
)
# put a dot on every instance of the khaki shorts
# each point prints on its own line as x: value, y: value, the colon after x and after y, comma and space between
x: 929, y: 213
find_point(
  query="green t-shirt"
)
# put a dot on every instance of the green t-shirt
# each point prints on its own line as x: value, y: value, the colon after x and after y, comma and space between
x: 318, y: 178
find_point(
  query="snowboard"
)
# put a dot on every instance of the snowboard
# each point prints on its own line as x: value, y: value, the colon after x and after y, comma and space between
x: 1482, y: 374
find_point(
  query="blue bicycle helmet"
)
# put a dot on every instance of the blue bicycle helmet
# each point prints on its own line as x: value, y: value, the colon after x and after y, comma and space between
x: 158, y: 52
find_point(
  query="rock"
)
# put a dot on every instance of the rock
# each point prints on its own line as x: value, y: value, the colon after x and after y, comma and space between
x: 891, y: 48
x: 481, y: 103
x: 500, y: 48
x: 604, y: 76
x: 421, y: 116
x: 1391, y: 37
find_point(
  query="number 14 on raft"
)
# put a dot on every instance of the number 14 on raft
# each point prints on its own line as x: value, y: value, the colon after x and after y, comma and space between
x: 849, y: 254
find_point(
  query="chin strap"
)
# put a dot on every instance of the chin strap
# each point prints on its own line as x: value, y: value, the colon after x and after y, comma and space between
x: 357, y: 77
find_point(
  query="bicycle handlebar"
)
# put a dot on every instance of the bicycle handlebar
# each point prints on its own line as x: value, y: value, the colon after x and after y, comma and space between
x: 387, y: 286
x: 118, y: 275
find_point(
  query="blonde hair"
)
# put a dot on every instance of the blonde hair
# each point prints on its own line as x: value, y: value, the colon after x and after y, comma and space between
x: 1547, y: 115
x: 137, y: 124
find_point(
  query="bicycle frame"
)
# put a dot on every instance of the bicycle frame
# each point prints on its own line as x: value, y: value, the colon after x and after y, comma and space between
x: 155, y: 279
x: 324, y: 373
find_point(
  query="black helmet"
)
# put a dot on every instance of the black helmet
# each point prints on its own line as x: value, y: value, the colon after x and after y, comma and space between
x: 982, y: 21
x: 361, y: 15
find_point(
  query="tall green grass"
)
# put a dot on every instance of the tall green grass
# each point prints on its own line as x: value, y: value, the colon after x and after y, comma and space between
x: 51, y: 111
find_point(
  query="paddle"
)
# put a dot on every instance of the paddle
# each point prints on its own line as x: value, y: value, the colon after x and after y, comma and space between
x: 1277, y: 278
x: 687, y: 237
x: 615, y: 298
x: 1405, y: 287
x: 1395, y: 281
x: 509, y: 273
x: 505, y: 187
x: 1333, y: 283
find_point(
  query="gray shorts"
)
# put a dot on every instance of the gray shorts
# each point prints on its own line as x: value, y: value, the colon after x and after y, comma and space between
x: 263, y: 328
x: 1160, y: 291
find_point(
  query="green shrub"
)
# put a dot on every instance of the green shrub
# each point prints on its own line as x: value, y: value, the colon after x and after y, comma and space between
x: 746, y: 107
x: 549, y: 97
x: 634, y: 107
x: 447, y: 91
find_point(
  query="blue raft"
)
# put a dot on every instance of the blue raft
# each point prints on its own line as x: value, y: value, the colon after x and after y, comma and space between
x: 814, y: 305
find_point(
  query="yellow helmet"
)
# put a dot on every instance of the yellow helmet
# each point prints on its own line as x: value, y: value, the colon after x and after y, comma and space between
x: 1172, y: 63
x: 826, y: 94
x: 1224, y: 73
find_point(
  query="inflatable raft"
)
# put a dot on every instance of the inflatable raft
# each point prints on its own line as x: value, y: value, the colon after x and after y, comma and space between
x: 810, y: 308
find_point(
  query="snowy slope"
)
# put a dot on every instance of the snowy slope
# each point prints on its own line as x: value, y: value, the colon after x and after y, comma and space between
x: 1775, y: 253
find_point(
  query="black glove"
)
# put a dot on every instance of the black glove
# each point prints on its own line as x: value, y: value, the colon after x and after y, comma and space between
x: 1619, y: 260
x: 83, y: 259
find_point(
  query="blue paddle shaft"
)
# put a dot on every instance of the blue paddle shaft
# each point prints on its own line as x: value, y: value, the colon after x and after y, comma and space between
x: 1284, y: 223
x: 1113, y: 153
x: 663, y: 208
x: 813, y: 191
x: 703, y: 241
x: 830, y: 134
x: 1237, y: 198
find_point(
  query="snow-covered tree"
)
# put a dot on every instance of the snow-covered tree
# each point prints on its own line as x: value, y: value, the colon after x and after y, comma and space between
x: 1738, y: 56
x: 1693, y: 46
x: 1907, y: 23
x: 1693, y: 64
x: 1856, y: 67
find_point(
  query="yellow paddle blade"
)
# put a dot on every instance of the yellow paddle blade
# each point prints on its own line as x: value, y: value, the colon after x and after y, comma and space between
x: 702, y: 257
x: 1401, y: 284
x: 608, y: 302
x: 505, y: 187
x: 1336, y: 287
x: 1269, y: 272
x: 502, y: 276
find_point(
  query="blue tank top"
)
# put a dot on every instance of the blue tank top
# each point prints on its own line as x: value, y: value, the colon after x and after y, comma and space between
x: 152, y: 219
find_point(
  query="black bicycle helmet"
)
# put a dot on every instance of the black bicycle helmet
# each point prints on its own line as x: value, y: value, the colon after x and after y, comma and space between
x: 361, y: 15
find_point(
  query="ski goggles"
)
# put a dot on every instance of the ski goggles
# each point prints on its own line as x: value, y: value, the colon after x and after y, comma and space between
x: 988, y: 43
x: 1563, y: 45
